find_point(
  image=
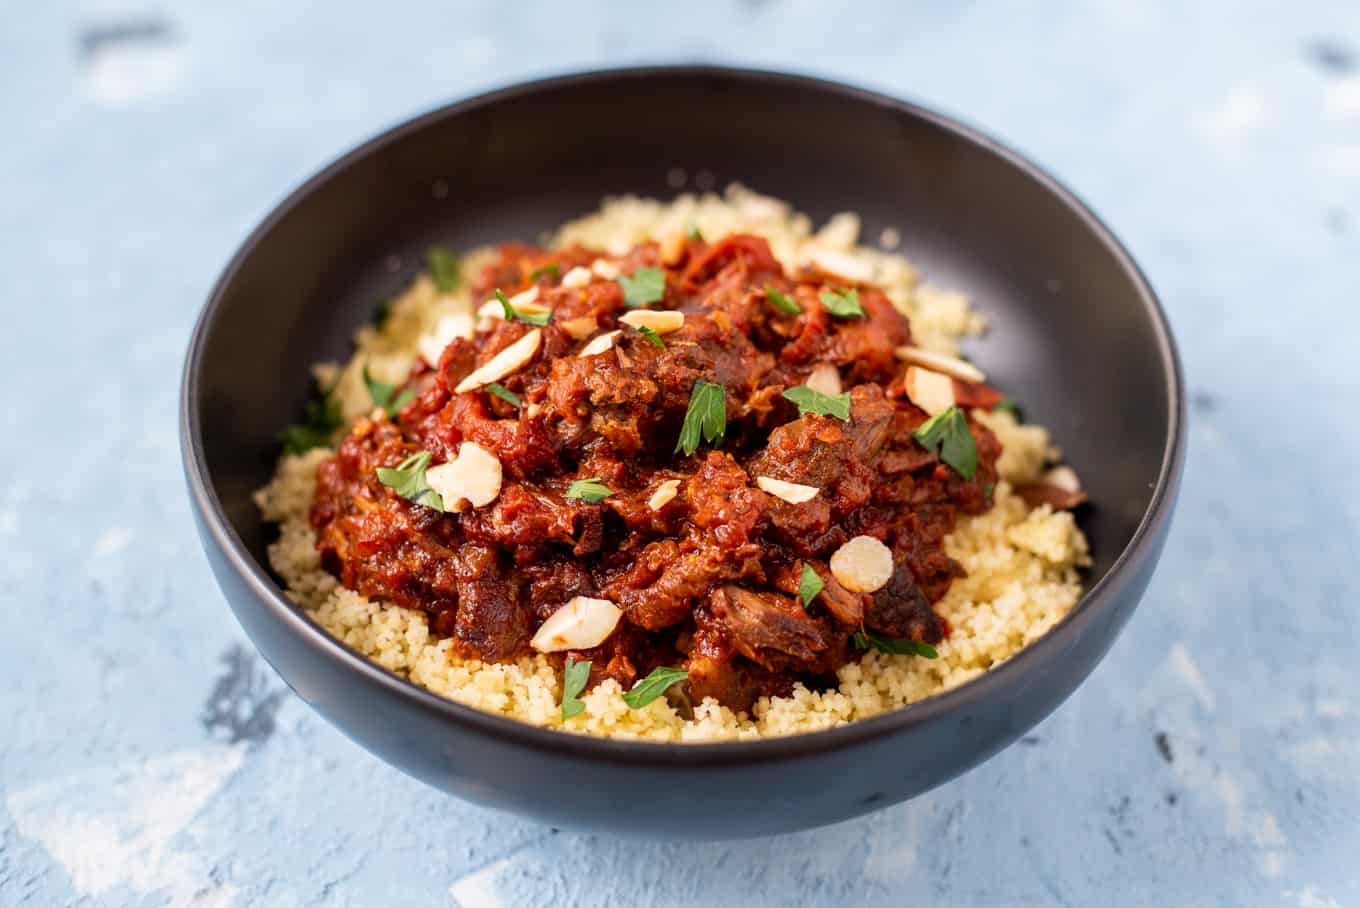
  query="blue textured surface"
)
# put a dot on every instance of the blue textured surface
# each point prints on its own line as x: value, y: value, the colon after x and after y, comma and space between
x: 147, y: 758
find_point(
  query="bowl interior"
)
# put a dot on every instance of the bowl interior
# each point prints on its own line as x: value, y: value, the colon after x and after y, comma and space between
x: 1073, y: 336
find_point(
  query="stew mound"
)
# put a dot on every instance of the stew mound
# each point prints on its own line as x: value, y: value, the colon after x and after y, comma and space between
x: 716, y: 496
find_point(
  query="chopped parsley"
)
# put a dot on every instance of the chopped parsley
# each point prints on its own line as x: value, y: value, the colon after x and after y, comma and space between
x: 1009, y: 406
x: 320, y: 420
x: 781, y: 302
x: 591, y: 490
x: 408, y: 481
x: 843, y: 303
x: 385, y: 395
x: 551, y: 268
x: 810, y: 401
x: 946, y: 433
x: 705, y: 419
x: 503, y: 393
x: 870, y: 640
x: 651, y: 335
x: 653, y: 686
x: 809, y: 585
x: 444, y: 268
x: 645, y: 285
x: 692, y: 232
x: 574, y: 677
x: 514, y: 315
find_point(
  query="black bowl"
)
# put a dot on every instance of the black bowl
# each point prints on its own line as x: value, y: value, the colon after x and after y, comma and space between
x: 1077, y: 335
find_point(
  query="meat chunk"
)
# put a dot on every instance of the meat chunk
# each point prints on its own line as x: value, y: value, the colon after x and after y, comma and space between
x: 491, y: 622
x: 768, y: 629
x: 901, y: 610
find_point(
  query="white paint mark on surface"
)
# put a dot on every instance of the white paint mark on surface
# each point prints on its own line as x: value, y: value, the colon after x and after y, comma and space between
x: 113, y: 541
x: 1189, y: 672
x: 1308, y: 897
x: 1333, y: 709
x: 112, y: 826
x: 892, y: 858
x: 1241, y: 112
x: 1272, y: 864
x: 121, y: 73
x: 478, y: 889
x: 1342, y: 101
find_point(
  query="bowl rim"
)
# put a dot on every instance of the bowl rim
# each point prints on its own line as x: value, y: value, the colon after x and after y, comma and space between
x: 707, y: 754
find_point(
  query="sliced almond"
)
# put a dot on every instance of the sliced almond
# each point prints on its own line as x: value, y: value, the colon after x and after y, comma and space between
x: 446, y: 330
x: 511, y: 359
x: 533, y: 410
x: 580, y: 624
x: 949, y: 365
x: 605, y: 269
x: 862, y: 565
x: 844, y: 264
x: 791, y: 492
x: 825, y: 379
x: 577, y: 277
x: 600, y: 344
x: 662, y: 321
x: 672, y: 248
x: 1063, y: 477
x: 580, y: 328
x: 931, y: 391
x: 474, y: 476
x: 664, y: 494
x: 1059, y: 488
x: 525, y: 302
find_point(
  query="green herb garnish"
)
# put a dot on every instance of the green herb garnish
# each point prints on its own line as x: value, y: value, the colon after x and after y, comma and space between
x: 591, y: 490
x: 645, y: 285
x: 946, y: 433
x: 810, y: 401
x: 385, y: 395
x: 574, y: 677
x: 321, y: 419
x: 706, y: 417
x: 781, y: 302
x: 809, y: 585
x: 870, y: 640
x: 843, y: 303
x: 653, y: 686
x: 1009, y: 406
x: 444, y: 269
x: 503, y: 393
x: 692, y: 232
x: 408, y: 481
x: 651, y: 335
x: 514, y: 315
x: 551, y: 268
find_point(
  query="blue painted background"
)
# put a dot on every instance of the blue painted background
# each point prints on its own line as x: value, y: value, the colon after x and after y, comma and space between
x: 148, y: 758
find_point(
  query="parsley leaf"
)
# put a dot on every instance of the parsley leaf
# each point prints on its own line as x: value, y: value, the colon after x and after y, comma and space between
x: 870, y: 640
x: 408, y: 481
x: 574, y: 677
x: 645, y: 285
x: 809, y: 585
x: 1009, y: 406
x: 591, y: 490
x: 503, y: 393
x: 653, y: 686
x: 385, y: 395
x: 321, y: 419
x: 705, y: 418
x: 514, y: 315
x: 551, y: 268
x: 781, y: 302
x: 692, y: 232
x: 946, y: 433
x: 651, y: 335
x: 810, y: 401
x: 444, y: 269
x: 843, y: 303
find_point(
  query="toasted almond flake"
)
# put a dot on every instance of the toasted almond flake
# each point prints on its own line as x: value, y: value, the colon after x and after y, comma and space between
x: 949, y: 365
x: 662, y: 321
x: 862, y: 565
x: 672, y: 248
x: 607, y: 270
x: 580, y: 328
x: 533, y: 410
x: 599, y: 344
x: 492, y: 308
x: 446, y: 330
x: 791, y: 492
x: 474, y: 476
x: 931, y: 391
x: 844, y: 264
x: 580, y: 624
x: 664, y: 494
x: 577, y: 277
x: 512, y: 358
x: 824, y: 379
x: 1063, y: 477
